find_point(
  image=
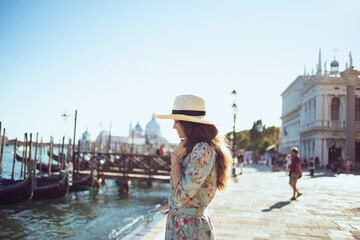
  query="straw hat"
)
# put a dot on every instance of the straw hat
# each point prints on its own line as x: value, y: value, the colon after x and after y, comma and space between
x: 188, y: 108
x: 295, y: 149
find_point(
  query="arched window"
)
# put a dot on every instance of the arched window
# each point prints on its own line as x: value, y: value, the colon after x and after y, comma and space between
x: 357, y: 109
x: 335, y: 109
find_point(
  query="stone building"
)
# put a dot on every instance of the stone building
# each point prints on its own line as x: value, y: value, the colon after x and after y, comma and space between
x: 85, y: 140
x: 137, y: 141
x: 315, y: 117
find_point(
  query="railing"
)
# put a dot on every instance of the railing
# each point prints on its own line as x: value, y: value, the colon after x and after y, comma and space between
x: 124, y: 165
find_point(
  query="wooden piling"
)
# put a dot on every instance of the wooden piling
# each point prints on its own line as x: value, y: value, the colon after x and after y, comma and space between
x: 36, y: 150
x: 51, y: 155
x: 25, y: 156
x: 93, y: 147
x: 41, y: 153
x: 78, y: 157
x: 14, y: 160
x: 59, y: 154
x: 69, y: 151
x: 100, y: 145
x: 30, y: 151
x: 62, y: 153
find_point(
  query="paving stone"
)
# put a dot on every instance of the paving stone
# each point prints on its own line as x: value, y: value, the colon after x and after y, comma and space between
x: 256, y: 206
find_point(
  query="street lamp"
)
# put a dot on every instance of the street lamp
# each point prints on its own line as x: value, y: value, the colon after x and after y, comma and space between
x: 235, y: 110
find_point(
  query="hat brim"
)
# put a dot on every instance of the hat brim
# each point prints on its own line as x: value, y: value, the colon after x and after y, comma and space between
x: 295, y: 149
x: 185, y: 118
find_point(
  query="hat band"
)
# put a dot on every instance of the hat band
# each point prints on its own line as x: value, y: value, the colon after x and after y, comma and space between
x: 189, y: 112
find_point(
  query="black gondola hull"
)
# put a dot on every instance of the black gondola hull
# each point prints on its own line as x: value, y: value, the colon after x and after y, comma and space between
x: 81, y: 183
x: 14, y: 192
x: 50, y: 188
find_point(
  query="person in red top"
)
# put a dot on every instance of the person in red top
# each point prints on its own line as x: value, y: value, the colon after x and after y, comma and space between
x: 162, y: 150
x: 295, y: 171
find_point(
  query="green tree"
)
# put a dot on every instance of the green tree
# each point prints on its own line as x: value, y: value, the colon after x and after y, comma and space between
x: 243, y: 139
x: 256, y: 134
x: 258, y: 138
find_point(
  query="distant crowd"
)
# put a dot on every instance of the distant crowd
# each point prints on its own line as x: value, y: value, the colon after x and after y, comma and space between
x: 276, y: 161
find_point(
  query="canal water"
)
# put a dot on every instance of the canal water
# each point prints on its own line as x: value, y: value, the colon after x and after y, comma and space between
x: 81, y: 215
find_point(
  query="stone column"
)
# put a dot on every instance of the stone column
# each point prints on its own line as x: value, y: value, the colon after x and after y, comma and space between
x: 325, y: 152
x: 351, y: 78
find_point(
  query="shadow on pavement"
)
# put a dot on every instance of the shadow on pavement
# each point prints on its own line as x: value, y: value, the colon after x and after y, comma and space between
x: 277, y: 205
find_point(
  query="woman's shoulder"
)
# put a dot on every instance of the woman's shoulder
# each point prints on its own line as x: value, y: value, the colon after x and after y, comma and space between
x: 202, y: 147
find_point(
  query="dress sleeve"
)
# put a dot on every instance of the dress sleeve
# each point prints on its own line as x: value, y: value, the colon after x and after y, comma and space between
x: 201, y: 162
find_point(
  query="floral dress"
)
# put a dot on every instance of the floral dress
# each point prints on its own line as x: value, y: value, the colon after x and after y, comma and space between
x: 187, y: 218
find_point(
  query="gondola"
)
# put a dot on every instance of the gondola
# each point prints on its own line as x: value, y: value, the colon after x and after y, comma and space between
x: 82, y: 183
x: 16, y: 191
x: 44, y: 166
x: 51, y: 187
x: 56, y: 157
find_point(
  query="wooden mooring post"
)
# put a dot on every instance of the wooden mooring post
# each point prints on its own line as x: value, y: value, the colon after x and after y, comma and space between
x: 14, y: 160
x: 50, y: 155
x: 30, y: 152
x: 61, y: 157
x: 41, y: 153
x: 36, y: 150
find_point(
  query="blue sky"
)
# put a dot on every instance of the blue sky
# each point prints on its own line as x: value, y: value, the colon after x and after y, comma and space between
x: 122, y: 61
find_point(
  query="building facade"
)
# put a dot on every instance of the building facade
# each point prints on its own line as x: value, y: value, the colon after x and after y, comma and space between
x: 314, y: 115
x: 136, y: 142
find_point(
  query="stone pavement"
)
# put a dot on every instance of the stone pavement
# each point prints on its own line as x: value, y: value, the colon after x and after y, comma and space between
x: 257, y: 206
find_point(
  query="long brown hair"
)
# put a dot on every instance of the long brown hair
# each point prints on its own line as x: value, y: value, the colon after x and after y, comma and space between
x: 197, y: 132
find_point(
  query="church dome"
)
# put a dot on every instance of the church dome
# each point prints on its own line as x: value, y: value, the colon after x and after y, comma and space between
x: 138, y: 130
x: 153, y: 124
x: 334, y: 63
x: 86, y: 135
x: 153, y: 128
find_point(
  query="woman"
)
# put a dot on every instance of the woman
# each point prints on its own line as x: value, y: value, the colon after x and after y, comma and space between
x: 311, y: 166
x: 295, y: 171
x: 199, y: 166
x: 338, y: 165
x: 347, y: 165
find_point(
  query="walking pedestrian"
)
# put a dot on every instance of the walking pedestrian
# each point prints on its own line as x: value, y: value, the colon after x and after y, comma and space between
x: 338, y: 165
x: 317, y: 163
x: 311, y: 166
x: 275, y: 160
x: 347, y: 164
x: 295, y: 171
x: 199, y: 166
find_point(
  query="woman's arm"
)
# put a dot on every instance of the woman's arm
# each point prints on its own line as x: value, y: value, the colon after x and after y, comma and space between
x: 175, y: 163
x: 197, y: 172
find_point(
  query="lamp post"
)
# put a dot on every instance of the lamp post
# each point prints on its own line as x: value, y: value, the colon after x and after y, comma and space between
x: 235, y: 110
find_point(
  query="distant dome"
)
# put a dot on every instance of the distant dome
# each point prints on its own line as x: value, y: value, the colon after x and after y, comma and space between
x: 138, y: 130
x: 334, y: 63
x: 153, y: 124
x: 86, y: 136
x: 138, y: 127
x: 153, y: 128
